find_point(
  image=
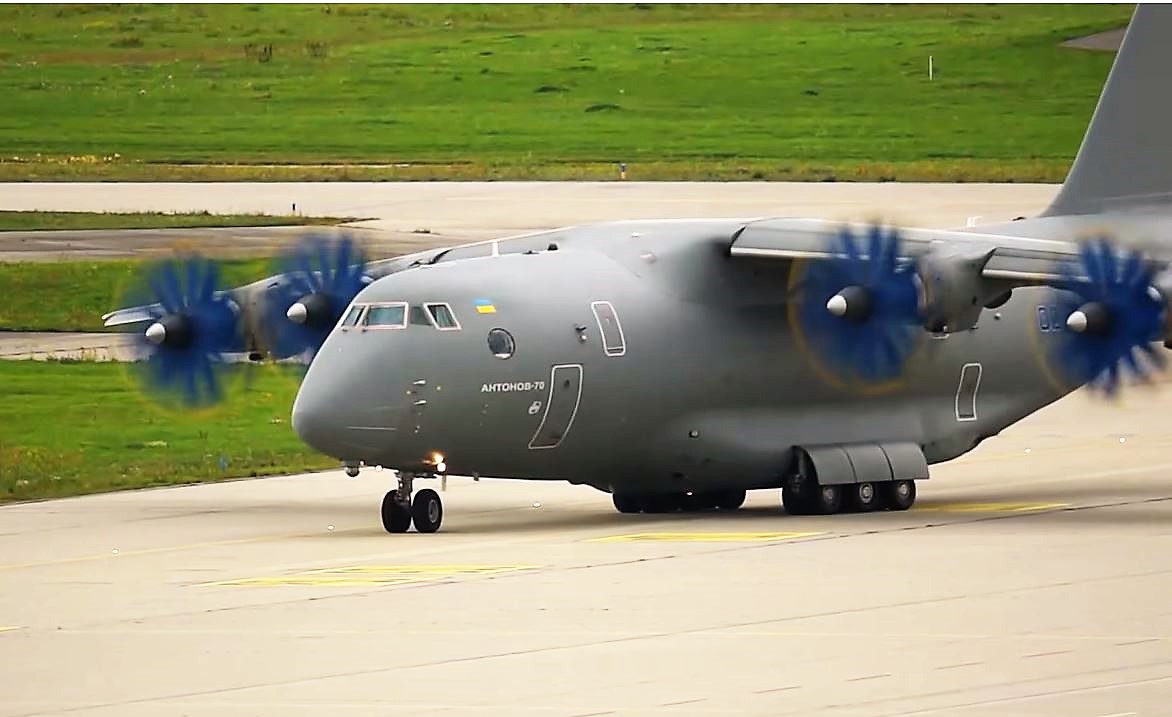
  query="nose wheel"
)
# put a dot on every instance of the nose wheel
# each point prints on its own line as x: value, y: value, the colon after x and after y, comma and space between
x: 399, y: 510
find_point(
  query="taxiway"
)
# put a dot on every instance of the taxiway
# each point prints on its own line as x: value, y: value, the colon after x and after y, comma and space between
x: 1030, y: 579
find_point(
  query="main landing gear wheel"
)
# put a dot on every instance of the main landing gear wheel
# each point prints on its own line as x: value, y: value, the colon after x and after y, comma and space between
x: 396, y: 513
x: 900, y: 494
x: 794, y: 501
x: 826, y: 499
x: 865, y: 497
x: 731, y: 499
x: 427, y: 511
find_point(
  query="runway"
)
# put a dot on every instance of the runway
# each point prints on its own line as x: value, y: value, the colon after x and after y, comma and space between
x: 1031, y: 579
x: 408, y: 216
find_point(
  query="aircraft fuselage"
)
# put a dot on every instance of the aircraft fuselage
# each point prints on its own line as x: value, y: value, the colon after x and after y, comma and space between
x: 643, y: 358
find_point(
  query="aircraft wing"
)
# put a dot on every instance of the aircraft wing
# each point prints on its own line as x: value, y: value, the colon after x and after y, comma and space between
x: 1014, y: 259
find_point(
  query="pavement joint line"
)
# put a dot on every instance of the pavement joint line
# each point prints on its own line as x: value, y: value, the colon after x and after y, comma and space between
x: 706, y: 537
x: 993, y: 507
x: 368, y: 575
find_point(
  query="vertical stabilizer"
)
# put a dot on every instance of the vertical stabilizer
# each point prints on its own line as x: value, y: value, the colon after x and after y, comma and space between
x: 1125, y: 160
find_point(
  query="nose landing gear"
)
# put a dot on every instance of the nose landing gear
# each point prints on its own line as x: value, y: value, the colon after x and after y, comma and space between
x: 399, y: 510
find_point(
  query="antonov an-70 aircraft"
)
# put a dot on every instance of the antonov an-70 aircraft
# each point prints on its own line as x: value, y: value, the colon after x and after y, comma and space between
x: 679, y: 364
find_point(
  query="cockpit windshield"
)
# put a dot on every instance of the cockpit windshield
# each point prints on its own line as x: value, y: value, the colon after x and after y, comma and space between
x: 399, y: 315
x: 387, y: 316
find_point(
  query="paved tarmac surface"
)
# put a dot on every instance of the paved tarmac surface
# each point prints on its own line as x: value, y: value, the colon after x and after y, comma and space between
x: 1031, y: 579
x: 412, y: 216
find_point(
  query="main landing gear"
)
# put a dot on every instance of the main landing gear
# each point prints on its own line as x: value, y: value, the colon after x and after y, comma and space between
x: 672, y: 502
x: 802, y: 496
x: 399, y: 510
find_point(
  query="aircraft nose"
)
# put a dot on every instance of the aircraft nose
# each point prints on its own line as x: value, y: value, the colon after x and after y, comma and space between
x: 314, y: 414
x: 343, y: 411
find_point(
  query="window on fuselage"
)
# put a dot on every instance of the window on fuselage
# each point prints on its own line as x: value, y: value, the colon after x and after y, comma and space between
x: 419, y: 317
x: 387, y: 316
x: 442, y: 317
x: 353, y: 315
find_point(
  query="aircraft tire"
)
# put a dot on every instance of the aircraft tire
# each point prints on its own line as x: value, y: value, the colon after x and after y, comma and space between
x: 627, y: 502
x: 427, y: 510
x: 396, y: 514
x: 900, y: 494
x: 793, y: 502
x: 826, y: 499
x: 866, y: 497
x: 731, y: 499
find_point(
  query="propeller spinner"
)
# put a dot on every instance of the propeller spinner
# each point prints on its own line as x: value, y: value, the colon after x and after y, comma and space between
x: 860, y: 311
x: 193, y: 325
x: 321, y: 277
x: 1113, y: 317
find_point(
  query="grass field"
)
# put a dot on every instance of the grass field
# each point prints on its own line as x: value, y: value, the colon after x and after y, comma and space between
x: 73, y: 295
x: 71, y: 428
x: 43, y: 221
x: 549, y: 91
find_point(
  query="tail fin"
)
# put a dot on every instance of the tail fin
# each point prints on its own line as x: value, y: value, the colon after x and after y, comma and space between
x: 1125, y: 160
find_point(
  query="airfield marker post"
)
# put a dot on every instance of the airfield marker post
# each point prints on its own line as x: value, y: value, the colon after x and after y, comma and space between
x: 931, y: 69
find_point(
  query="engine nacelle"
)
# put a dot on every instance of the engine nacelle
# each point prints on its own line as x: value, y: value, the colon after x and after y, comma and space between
x: 952, y: 290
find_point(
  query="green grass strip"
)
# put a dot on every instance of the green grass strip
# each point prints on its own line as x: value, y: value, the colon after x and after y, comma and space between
x: 73, y: 295
x: 74, y: 428
x: 191, y: 92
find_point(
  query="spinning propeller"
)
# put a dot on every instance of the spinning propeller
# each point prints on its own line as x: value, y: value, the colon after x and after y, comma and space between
x: 192, y: 326
x: 1113, y: 316
x: 859, y: 311
x: 320, y: 279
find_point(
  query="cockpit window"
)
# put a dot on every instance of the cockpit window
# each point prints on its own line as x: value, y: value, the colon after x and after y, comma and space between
x: 352, y: 315
x: 387, y: 316
x: 419, y: 317
x: 442, y: 316
x: 500, y: 343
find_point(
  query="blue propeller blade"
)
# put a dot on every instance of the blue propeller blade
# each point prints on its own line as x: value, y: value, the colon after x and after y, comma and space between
x: 203, y: 327
x: 1120, y: 286
x: 316, y: 265
x: 871, y: 348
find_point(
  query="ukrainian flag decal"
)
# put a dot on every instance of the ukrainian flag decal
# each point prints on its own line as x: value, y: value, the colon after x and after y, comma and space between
x: 484, y: 306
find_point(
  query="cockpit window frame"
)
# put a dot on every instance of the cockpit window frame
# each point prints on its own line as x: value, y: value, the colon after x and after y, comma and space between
x: 431, y: 317
x: 386, y: 327
x: 358, y: 321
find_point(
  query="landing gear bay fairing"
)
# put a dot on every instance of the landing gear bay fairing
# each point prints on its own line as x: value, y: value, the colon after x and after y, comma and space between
x: 678, y: 364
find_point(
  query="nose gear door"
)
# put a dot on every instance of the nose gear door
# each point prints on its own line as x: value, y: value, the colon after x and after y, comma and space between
x: 565, y: 393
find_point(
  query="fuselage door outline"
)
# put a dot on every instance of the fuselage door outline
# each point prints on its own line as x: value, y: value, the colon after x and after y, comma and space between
x: 571, y: 373
x: 614, y: 342
x: 966, y: 391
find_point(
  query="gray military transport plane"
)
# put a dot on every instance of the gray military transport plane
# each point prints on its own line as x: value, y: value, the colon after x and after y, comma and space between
x: 679, y: 364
